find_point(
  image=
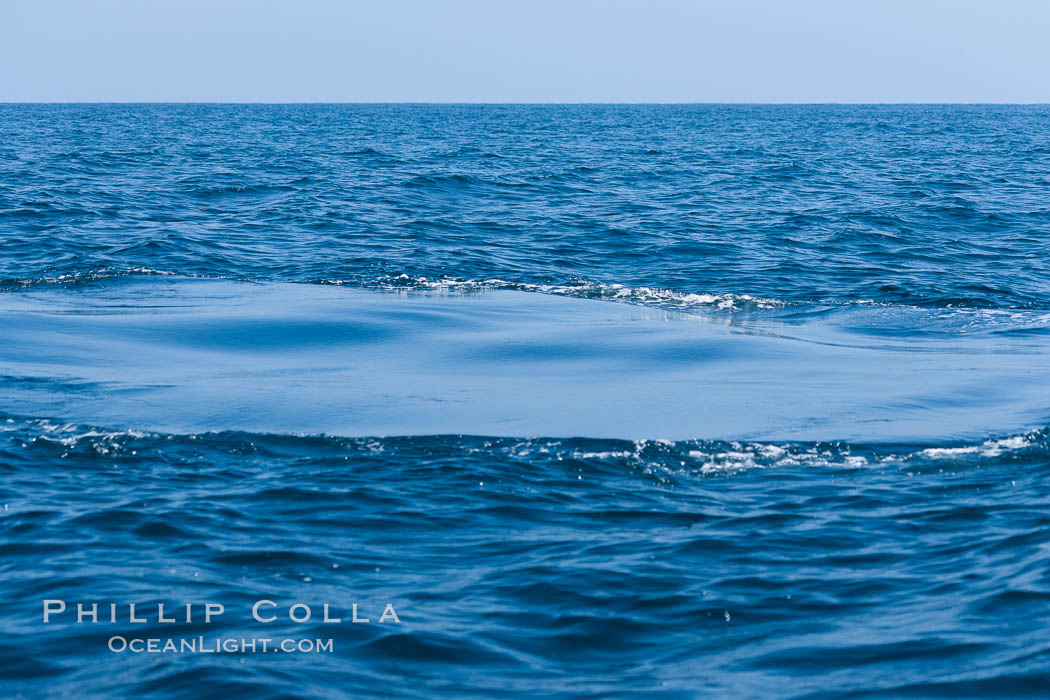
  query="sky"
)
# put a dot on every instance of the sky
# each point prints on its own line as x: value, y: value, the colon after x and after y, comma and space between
x: 525, y: 51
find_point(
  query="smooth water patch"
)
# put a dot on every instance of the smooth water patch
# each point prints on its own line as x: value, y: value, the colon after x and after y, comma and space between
x: 190, y: 355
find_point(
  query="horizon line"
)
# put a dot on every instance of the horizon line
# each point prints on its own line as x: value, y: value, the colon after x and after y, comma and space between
x: 509, y: 103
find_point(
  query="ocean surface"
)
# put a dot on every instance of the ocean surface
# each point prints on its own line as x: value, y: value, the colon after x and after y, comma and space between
x: 602, y: 401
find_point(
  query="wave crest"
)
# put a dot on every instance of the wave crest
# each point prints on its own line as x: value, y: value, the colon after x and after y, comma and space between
x: 659, y: 459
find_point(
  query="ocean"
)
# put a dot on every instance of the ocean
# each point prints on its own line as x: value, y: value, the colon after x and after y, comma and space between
x: 564, y: 400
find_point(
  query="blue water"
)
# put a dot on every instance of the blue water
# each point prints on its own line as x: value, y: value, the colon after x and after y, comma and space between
x: 604, y: 400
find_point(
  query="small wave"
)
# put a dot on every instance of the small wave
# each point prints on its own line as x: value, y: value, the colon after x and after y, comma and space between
x: 988, y: 448
x: 660, y: 459
x: 675, y: 299
x: 1005, y: 320
x: 86, y: 277
x: 441, y: 180
x: 583, y: 289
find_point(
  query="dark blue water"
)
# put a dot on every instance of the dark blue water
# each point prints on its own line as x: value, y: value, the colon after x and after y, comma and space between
x: 600, y: 400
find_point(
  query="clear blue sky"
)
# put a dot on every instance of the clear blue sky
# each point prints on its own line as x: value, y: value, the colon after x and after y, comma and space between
x: 525, y: 51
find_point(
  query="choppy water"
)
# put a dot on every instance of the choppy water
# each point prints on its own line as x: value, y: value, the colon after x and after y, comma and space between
x: 681, y: 401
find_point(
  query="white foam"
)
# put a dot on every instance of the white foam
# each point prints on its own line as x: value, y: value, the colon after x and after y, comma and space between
x: 654, y: 296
